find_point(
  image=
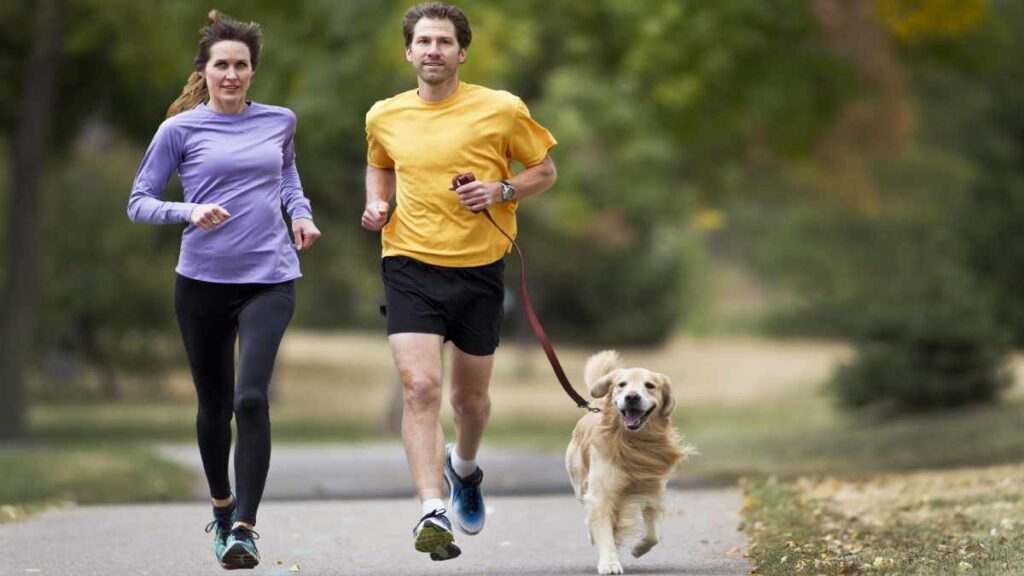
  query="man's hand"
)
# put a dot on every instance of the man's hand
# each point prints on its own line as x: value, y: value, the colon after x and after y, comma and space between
x: 478, y: 196
x: 209, y: 216
x: 375, y: 216
x: 306, y: 233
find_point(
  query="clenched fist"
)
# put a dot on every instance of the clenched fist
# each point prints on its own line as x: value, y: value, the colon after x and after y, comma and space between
x: 209, y: 216
x: 375, y: 216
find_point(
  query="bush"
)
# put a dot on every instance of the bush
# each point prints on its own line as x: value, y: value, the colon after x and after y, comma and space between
x: 612, y: 295
x: 990, y: 227
x: 940, y: 351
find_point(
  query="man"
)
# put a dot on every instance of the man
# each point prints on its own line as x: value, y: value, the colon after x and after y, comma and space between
x: 442, y: 259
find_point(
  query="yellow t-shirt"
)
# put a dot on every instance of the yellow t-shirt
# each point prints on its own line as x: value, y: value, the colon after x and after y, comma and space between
x: 476, y: 130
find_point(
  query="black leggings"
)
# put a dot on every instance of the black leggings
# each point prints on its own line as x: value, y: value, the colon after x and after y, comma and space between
x: 210, y: 317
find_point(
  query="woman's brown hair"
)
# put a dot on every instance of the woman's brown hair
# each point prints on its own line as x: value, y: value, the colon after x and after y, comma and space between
x: 218, y: 27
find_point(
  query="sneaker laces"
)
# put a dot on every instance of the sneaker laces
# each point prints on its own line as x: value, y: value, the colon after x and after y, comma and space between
x: 224, y: 524
x: 471, y: 491
x: 470, y: 499
x: 437, y: 513
x: 244, y: 534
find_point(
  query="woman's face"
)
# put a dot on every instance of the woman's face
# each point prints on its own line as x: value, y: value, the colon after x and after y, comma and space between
x: 228, y: 73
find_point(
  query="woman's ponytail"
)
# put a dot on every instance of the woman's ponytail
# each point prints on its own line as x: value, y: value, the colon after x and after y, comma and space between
x: 193, y: 94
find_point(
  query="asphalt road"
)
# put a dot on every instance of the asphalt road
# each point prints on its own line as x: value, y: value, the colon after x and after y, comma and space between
x: 532, y: 535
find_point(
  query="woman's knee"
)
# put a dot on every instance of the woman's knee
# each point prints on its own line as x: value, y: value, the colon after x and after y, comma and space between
x: 215, y: 409
x: 251, y: 403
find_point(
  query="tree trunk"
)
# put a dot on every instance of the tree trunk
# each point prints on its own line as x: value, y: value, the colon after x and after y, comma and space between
x: 29, y: 149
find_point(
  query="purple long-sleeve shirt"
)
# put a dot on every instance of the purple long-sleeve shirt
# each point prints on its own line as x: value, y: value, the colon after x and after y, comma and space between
x: 246, y: 164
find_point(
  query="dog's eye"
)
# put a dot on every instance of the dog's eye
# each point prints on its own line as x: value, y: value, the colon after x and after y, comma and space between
x: 622, y: 384
x: 648, y: 385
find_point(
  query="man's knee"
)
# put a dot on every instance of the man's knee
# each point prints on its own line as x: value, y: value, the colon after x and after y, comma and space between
x: 471, y: 403
x: 421, y: 392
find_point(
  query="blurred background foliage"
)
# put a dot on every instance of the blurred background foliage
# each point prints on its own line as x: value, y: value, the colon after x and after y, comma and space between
x: 860, y: 162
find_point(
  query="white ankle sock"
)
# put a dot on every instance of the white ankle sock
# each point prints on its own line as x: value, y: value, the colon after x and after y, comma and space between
x: 431, y: 504
x: 462, y: 467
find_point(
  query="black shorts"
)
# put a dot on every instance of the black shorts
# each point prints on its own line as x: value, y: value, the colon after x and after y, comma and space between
x: 464, y: 305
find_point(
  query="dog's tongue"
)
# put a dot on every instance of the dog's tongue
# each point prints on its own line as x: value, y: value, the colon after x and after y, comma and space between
x: 631, y: 418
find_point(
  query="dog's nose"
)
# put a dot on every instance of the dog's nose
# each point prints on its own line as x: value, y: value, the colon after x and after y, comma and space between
x: 632, y: 398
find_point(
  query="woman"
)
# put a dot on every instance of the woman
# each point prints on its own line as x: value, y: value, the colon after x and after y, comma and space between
x: 237, y: 266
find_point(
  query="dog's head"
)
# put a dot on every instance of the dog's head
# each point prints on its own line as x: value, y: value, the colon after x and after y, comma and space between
x: 637, y: 394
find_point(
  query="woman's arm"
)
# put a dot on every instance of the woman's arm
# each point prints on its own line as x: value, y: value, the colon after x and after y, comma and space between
x: 162, y: 158
x: 292, y: 196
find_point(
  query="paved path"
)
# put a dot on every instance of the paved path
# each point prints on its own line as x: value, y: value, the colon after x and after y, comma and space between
x: 333, y: 510
x: 534, y: 535
x: 378, y: 469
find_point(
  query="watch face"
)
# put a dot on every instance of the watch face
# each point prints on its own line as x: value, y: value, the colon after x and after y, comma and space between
x: 508, y: 191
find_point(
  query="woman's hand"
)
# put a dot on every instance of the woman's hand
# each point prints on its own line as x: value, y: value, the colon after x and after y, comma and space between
x: 306, y: 233
x: 209, y: 216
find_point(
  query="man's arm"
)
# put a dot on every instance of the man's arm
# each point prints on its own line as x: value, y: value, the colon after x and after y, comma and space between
x: 534, y: 180
x: 531, y: 181
x: 380, y: 187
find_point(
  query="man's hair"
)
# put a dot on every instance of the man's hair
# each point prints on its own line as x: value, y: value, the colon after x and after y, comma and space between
x: 437, y: 11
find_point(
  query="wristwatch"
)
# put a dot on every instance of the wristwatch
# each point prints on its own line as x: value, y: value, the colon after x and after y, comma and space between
x: 508, y: 191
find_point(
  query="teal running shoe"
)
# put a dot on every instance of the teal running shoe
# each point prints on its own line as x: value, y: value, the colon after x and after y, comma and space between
x: 221, y: 527
x: 433, y: 534
x: 467, y: 499
x: 240, y: 549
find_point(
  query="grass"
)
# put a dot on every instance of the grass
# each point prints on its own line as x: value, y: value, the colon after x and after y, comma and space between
x: 42, y: 475
x: 915, y: 524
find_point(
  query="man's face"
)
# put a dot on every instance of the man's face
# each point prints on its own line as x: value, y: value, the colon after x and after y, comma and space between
x: 434, y: 52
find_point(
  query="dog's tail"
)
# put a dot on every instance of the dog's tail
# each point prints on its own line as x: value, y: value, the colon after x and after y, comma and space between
x: 600, y: 364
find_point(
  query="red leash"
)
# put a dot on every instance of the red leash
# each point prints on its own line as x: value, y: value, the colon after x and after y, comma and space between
x: 545, y: 343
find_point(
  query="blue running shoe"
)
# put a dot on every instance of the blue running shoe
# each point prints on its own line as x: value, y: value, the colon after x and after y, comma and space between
x: 221, y: 527
x: 467, y: 499
x: 433, y: 535
x: 240, y: 549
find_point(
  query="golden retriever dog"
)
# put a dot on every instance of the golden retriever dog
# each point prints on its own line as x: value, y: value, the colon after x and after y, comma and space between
x: 619, y: 460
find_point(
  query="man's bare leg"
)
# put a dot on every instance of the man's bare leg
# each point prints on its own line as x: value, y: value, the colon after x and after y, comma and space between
x: 471, y: 401
x: 418, y: 361
x: 471, y: 376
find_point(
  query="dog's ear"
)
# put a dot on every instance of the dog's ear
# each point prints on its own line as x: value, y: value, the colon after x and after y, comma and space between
x: 668, y: 399
x: 600, y: 386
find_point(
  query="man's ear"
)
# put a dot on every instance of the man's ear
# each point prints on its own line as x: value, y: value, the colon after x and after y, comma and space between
x: 463, y: 55
x: 600, y: 387
x: 668, y: 399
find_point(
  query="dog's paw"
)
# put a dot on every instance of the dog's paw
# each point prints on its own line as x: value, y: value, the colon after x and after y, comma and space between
x: 643, y: 547
x: 609, y: 567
